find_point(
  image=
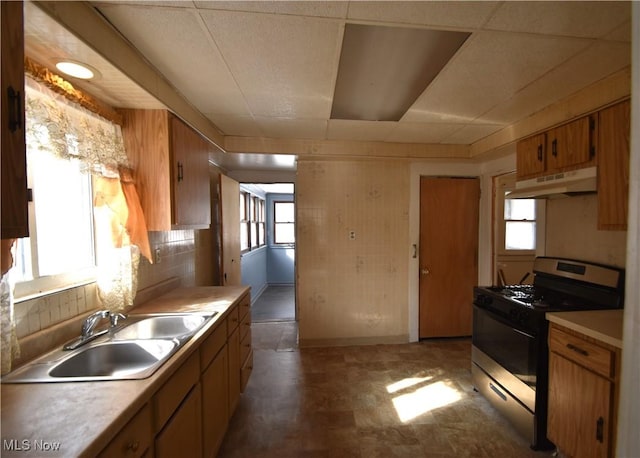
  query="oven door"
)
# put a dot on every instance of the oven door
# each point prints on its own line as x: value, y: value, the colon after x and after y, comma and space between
x: 507, y: 354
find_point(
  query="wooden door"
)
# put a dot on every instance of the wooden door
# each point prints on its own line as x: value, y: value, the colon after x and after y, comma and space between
x: 230, y: 220
x: 182, y: 435
x: 579, y: 400
x: 215, y: 403
x: 448, y: 255
x: 569, y: 145
x: 15, y: 222
x: 191, y: 190
x: 613, y: 166
x: 530, y: 156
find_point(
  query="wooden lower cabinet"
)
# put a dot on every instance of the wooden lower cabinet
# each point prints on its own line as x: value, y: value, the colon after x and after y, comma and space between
x: 582, y: 395
x: 136, y: 438
x: 215, y: 406
x: 181, y: 436
x: 189, y: 414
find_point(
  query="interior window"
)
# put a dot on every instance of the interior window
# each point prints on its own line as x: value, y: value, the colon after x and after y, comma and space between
x: 284, y: 223
x: 516, y: 220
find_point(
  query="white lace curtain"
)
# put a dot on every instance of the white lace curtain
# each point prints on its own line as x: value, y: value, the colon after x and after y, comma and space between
x: 66, y: 130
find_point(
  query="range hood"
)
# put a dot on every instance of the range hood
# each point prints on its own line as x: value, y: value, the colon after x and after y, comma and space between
x: 564, y: 184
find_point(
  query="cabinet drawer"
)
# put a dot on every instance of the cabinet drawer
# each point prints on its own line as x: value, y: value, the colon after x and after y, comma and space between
x: 213, y: 344
x: 244, y: 306
x: 135, y: 438
x: 245, y: 346
x: 232, y: 320
x: 169, y: 397
x: 245, y: 371
x: 587, y: 354
x: 245, y: 325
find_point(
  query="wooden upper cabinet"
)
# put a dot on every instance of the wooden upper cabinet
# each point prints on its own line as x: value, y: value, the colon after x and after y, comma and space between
x: 531, y: 156
x: 613, y: 166
x: 570, y: 145
x: 15, y: 222
x: 170, y: 168
x: 567, y: 147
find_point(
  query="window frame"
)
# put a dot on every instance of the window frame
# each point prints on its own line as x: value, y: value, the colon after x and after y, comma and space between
x: 252, y: 208
x: 276, y: 223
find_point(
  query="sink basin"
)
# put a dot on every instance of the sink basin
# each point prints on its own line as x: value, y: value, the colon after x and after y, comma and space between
x: 177, y: 326
x: 115, y: 359
x: 133, y: 351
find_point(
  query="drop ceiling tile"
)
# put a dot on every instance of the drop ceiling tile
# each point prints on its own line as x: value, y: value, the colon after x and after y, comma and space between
x: 488, y: 70
x: 409, y: 132
x: 285, y: 66
x: 577, y: 19
x: 244, y: 126
x: 472, y: 133
x: 468, y: 15
x: 295, y: 8
x: 293, y: 128
x: 340, y: 129
x: 164, y: 36
x: 593, y: 64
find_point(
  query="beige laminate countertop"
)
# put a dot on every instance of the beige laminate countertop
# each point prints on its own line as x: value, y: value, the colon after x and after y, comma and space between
x: 83, y: 417
x: 603, y: 325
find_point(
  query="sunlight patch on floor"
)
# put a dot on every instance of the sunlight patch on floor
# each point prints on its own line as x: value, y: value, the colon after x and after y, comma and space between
x: 424, y: 399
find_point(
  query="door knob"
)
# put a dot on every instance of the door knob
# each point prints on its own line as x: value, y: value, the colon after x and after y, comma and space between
x: 425, y: 271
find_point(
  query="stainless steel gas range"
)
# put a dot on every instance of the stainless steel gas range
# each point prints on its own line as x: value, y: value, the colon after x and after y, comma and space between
x: 510, y: 352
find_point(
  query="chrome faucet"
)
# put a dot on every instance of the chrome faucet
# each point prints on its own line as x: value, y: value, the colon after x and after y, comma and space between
x: 92, y: 321
x: 87, y: 333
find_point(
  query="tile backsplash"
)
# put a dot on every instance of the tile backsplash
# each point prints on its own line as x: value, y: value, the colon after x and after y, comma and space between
x: 36, y: 314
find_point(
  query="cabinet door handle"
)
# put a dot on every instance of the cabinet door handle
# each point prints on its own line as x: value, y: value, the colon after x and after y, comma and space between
x: 15, y: 109
x: 600, y: 430
x: 554, y: 147
x: 540, y: 153
x: 577, y: 350
x: 180, y: 171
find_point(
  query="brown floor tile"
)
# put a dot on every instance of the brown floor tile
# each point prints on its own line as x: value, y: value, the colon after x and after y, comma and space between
x: 411, y: 400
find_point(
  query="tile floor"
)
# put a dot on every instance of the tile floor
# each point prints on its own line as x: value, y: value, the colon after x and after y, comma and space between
x: 276, y: 303
x: 411, y: 400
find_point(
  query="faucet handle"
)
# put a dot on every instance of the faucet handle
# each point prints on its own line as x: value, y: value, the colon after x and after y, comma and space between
x: 115, y: 317
x: 92, y: 320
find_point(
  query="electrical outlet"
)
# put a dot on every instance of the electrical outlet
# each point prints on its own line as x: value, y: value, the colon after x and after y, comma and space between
x: 352, y: 235
x: 156, y: 256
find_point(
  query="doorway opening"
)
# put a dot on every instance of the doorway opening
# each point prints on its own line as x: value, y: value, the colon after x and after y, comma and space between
x: 268, y: 249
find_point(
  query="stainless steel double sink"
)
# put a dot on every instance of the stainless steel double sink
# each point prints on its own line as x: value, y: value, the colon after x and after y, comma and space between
x: 133, y: 350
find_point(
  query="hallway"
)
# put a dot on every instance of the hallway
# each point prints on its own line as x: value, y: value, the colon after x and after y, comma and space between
x: 276, y: 303
x: 409, y: 400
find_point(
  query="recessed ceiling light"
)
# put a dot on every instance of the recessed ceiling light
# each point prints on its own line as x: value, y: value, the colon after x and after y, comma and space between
x: 76, y: 69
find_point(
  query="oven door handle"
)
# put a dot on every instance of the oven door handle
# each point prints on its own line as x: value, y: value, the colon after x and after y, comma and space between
x: 523, y: 333
x: 498, y: 392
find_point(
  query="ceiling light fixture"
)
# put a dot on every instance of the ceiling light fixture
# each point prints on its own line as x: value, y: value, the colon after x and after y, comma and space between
x: 76, y: 69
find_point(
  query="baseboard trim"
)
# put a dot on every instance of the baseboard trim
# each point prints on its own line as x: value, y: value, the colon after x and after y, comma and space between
x: 351, y: 341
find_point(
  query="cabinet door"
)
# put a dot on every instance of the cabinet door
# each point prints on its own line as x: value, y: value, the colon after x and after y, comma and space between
x: 15, y: 221
x: 182, y: 434
x: 579, y: 409
x: 234, y: 370
x: 530, y: 156
x: 215, y: 403
x: 569, y: 145
x: 190, y: 176
x: 613, y: 166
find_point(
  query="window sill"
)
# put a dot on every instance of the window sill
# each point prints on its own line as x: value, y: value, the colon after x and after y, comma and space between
x: 33, y: 289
